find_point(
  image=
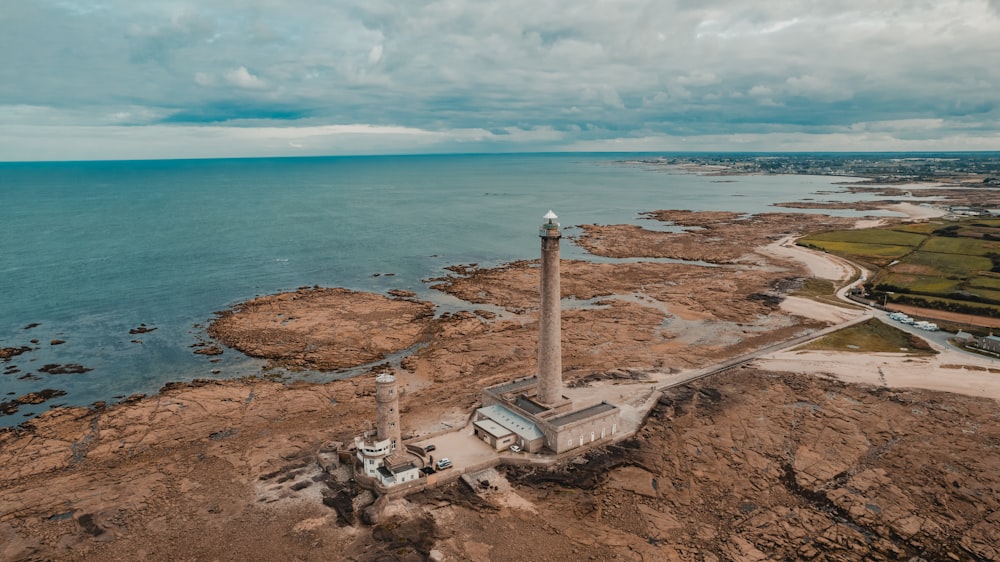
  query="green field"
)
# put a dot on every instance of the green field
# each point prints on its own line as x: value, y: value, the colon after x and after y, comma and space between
x: 985, y: 282
x: 964, y: 246
x: 867, y: 252
x: 938, y: 264
x: 925, y: 284
x: 919, y: 227
x: 960, y: 265
x: 992, y: 296
x: 877, y: 236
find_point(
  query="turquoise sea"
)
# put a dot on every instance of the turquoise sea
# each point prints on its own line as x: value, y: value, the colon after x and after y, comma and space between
x: 92, y: 250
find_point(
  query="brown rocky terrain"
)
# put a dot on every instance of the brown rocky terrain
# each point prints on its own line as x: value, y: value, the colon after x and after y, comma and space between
x: 959, y: 191
x: 752, y: 465
x: 709, y: 236
x: 744, y: 465
x: 305, y: 329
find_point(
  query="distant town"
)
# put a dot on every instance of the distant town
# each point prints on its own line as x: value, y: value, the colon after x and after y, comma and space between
x: 882, y: 168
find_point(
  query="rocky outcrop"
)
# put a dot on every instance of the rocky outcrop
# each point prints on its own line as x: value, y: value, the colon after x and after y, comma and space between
x: 710, y: 236
x: 67, y: 369
x: 8, y: 352
x: 323, y: 329
x: 9, y: 407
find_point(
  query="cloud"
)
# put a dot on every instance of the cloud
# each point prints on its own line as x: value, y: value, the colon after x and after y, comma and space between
x: 375, y: 55
x: 242, y: 78
x: 580, y: 71
x: 817, y: 88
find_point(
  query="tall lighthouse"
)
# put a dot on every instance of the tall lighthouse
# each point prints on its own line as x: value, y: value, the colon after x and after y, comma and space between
x: 549, y: 321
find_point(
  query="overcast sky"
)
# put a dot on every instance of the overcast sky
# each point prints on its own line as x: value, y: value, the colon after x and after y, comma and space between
x: 119, y: 79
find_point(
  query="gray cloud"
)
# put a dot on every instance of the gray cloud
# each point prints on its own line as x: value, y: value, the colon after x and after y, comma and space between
x: 633, y: 72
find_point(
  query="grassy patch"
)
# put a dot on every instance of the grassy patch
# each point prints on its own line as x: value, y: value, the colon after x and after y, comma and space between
x: 992, y: 296
x: 869, y: 236
x: 875, y: 253
x: 965, y: 246
x: 816, y: 288
x: 871, y: 337
x: 950, y: 264
x: 985, y: 282
x: 924, y: 284
x: 919, y: 227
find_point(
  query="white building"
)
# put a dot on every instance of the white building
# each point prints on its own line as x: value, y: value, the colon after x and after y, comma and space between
x: 371, y: 453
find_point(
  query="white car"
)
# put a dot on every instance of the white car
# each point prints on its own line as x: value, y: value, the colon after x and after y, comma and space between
x: 443, y: 463
x: 515, y: 449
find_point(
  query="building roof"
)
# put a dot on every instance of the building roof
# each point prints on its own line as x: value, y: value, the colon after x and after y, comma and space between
x: 513, y: 386
x: 396, y: 459
x: 519, y: 424
x: 528, y: 405
x: 579, y: 415
x: 403, y: 468
x: 493, y: 428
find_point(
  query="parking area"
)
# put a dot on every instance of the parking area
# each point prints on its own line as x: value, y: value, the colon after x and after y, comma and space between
x: 462, y: 447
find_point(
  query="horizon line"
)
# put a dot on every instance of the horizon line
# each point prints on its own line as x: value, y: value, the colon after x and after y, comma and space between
x: 513, y: 153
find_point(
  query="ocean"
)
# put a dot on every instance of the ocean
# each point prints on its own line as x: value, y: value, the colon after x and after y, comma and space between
x: 94, y: 250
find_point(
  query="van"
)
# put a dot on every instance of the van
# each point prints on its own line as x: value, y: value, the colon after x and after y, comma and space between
x: 443, y: 464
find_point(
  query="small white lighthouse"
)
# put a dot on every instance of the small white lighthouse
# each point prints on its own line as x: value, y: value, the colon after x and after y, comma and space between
x: 549, y: 320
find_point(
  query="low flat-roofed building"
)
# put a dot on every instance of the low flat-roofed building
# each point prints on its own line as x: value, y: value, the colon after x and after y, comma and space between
x: 398, y: 474
x: 526, y: 433
x: 559, y: 429
x: 494, y: 434
x: 579, y: 427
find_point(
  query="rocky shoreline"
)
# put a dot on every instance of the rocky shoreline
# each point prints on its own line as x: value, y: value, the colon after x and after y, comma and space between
x: 745, y: 465
x: 322, y: 329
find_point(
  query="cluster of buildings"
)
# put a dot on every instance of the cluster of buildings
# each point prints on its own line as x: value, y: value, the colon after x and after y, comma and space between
x: 989, y: 344
x: 379, y: 452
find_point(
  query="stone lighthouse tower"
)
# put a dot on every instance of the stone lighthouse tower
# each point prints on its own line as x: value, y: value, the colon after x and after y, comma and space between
x: 387, y: 410
x: 549, y: 321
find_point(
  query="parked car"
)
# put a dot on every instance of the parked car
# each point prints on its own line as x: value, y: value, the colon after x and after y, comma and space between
x: 515, y: 449
x: 429, y: 448
x: 443, y: 464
